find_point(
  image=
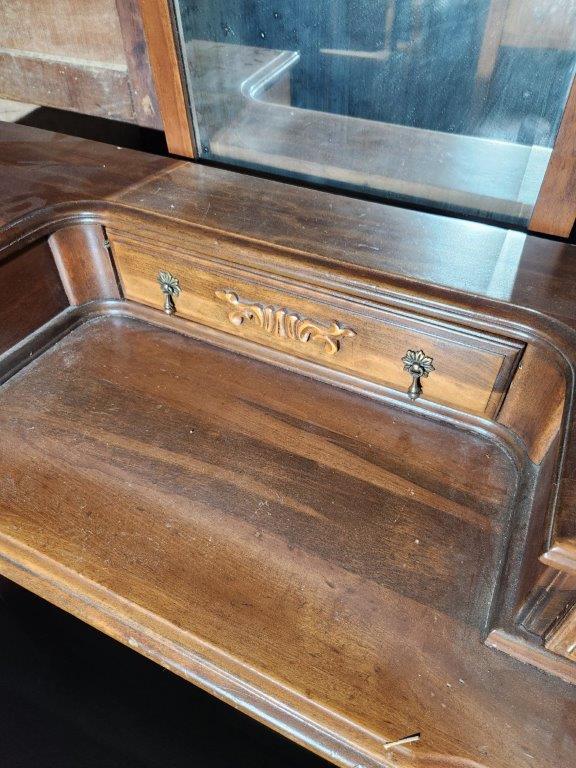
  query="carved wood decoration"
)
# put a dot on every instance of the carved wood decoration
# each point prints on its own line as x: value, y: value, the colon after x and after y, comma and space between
x: 284, y: 323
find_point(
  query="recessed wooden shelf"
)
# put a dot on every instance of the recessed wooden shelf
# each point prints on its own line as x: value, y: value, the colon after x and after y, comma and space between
x: 266, y: 535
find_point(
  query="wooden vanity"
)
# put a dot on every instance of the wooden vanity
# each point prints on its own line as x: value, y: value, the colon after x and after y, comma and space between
x: 220, y: 445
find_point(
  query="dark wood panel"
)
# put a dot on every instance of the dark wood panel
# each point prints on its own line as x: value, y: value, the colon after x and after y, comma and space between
x: 30, y: 293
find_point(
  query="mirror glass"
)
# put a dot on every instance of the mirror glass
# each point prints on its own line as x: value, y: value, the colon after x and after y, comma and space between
x: 447, y: 104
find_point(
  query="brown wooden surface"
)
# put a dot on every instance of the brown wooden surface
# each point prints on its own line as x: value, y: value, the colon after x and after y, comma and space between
x: 30, y: 293
x: 375, y: 607
x: 168, y: 78
x: 65, y: 28
x: 555, y: 210
x: 216, y: 494
x: 472, y: 371
x: 77, y: 86
x: 84, y: 264
x: 553, y: 596
x: 465, y: 256
x: 62, y: 174
x: 535, y: 403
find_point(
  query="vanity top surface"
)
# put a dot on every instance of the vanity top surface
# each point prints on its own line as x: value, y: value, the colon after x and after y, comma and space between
x: 336, y: 552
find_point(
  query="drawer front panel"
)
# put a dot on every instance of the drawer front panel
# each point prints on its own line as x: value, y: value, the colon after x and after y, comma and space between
x: 471, y: 370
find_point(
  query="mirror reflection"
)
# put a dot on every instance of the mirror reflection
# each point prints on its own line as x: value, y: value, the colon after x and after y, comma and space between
x: 449, y: 104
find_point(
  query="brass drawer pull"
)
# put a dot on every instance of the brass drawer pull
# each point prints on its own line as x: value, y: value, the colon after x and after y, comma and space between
x: 418, y: 365
x: 170, y: 287
x: 285, y: 323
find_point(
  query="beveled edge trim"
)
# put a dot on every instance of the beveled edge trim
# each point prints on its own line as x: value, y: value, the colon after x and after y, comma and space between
x: 561, y: 555
x: 32, y: 346
x: 530, y: 653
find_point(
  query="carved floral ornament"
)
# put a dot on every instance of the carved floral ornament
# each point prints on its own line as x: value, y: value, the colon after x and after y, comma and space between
x: 285, y: 323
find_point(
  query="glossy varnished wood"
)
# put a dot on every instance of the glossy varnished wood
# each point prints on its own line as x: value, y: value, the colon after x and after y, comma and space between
x: 59, y: 176
x: 312, y: 234
x: 168, y: 76
x: 230, y: 513
x: 84, y: 264
x: 213, y: 211
x: 45, y: 170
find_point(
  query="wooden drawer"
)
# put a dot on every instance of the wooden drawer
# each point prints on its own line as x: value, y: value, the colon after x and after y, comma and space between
x: 472, y: 370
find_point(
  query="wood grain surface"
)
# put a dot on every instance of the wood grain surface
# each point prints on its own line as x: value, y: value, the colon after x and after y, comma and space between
x: 168, y: 75
x: 218, y: 495
x: 50, y: 178
x: 87, y: 57
x: 555, y: 211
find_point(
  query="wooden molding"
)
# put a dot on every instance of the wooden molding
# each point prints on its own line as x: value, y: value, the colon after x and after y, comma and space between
x: 168, y: 76
x: 562, y: 638
x: 530, y: 653
x: 555, y: 209
x: 84, y: 263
